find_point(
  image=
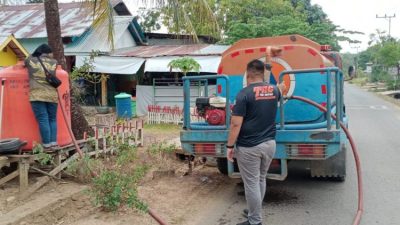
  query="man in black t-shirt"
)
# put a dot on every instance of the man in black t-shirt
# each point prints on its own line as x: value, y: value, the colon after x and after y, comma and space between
x: 253, y: 130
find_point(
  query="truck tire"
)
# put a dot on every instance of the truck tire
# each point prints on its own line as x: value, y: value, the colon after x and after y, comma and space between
x: 10, y: 145
x: 9, y: 169
x: 181, y: 156
x: 333, y: 168
x: 222, y: 164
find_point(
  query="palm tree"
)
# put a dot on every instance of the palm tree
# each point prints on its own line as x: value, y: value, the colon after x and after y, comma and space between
x: 78, y: 121
x: 53, y: 28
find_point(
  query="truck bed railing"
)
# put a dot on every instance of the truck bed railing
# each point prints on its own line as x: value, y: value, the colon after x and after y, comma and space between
x: 186, y: 98
x: 338, y: 93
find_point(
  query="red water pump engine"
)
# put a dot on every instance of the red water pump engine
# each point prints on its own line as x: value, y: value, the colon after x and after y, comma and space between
x: 212, y: 109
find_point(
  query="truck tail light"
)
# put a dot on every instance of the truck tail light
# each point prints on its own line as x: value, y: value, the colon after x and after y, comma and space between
x: 317, y: 151
x: 275, y: 164
x: 211, y: 149
x: 219, y: 87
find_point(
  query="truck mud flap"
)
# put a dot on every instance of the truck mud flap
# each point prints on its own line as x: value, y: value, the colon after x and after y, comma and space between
x: 272, y: 176
x: 333, y: 168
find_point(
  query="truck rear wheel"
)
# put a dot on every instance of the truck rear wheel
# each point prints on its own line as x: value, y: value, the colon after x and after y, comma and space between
x: 333, y: 168
x: 222, y: 164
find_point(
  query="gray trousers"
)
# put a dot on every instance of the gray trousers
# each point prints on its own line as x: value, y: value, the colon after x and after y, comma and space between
x: 253, y: 165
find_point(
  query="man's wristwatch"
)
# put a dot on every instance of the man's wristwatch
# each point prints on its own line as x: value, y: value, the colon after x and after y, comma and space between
x: 230, y: 146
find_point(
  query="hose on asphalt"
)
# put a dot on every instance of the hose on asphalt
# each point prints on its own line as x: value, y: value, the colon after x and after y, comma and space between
x: 360, y: 208
x: 151, y: 212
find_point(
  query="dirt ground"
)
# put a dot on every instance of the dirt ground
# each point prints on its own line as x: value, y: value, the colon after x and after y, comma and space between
x: 176, y: 197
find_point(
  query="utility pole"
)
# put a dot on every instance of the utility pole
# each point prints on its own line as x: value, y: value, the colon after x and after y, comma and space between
x: 356, y: 60
x: 389, y: 18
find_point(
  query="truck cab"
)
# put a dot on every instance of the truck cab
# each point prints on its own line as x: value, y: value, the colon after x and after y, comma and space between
x: 304, y: 132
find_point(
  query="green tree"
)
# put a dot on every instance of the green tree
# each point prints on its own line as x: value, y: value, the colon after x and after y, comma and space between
x: 389, y: 54
x: 185, y: 65
x: 369, y: 55
x: 383, y: 51
x: 348, y: 60
x: 251, y: 11
x: 280, y: 25
x: 312, y: 13
x: 250, y: 18
x: 150, y: 19
x: 191, y: 17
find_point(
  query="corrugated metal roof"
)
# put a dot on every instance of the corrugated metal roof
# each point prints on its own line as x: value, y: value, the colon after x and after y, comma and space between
x: 28, y: 21
x: 213, y: 49
x: 3, y: 39
x: 96, y: 39
x: 31, y: 44
x: 174, y: 50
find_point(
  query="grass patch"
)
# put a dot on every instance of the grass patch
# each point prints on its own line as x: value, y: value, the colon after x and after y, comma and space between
x: 161, y: 154
x: 82, y: 169
x: 162, y: 128
x: 360, y: 81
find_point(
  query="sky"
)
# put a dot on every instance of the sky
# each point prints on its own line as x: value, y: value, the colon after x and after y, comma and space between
x: 360, y: 15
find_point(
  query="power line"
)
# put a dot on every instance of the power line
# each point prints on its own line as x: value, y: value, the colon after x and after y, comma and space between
x: 388, y: 18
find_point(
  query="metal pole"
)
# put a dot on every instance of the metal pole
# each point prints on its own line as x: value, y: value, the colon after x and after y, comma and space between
x: 390, y: 21
x: 154, y: 91
x: 328, y: 98
x: 338, y: 99
x: 186, y: 97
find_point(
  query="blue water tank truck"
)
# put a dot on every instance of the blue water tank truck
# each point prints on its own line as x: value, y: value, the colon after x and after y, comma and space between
x: 304, y: 132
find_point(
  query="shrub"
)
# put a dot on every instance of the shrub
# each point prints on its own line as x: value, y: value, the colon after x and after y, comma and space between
x: 117, y: 186
x: 84, y: 168
x: 42, y: 157
x: 112, y: 189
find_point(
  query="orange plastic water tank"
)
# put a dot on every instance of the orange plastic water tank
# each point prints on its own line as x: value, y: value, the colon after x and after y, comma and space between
x: 17, y: 118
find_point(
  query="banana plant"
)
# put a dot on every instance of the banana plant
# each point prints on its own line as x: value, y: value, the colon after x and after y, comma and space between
x: 185, y: 65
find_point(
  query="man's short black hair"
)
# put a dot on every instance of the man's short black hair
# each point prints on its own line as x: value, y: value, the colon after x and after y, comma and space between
x: 42, y: 49
x: 255, y: 67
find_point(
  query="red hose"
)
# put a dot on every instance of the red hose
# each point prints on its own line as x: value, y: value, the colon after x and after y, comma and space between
x: 94, y: 174
x: 156, y: 217
x: 360, y: 209
x: 71, y: 134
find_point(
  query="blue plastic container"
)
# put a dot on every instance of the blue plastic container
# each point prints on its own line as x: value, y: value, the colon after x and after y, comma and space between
x: 123, y: 105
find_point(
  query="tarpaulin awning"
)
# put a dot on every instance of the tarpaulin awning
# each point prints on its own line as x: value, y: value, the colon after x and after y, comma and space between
x: 112, y: 64
x: 209, y: 64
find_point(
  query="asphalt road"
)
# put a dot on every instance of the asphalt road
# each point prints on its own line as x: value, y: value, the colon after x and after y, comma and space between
x: 300, y: 200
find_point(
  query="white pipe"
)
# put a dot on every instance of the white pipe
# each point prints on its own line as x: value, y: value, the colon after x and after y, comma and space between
x: 1, y: 105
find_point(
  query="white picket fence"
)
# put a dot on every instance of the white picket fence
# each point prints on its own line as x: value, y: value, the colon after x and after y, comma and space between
x: 109, y: 132
x: 170, y: 115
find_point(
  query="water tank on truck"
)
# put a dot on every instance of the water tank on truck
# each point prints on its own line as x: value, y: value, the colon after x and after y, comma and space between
x: 17, y: 118
x: 298, y: 53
